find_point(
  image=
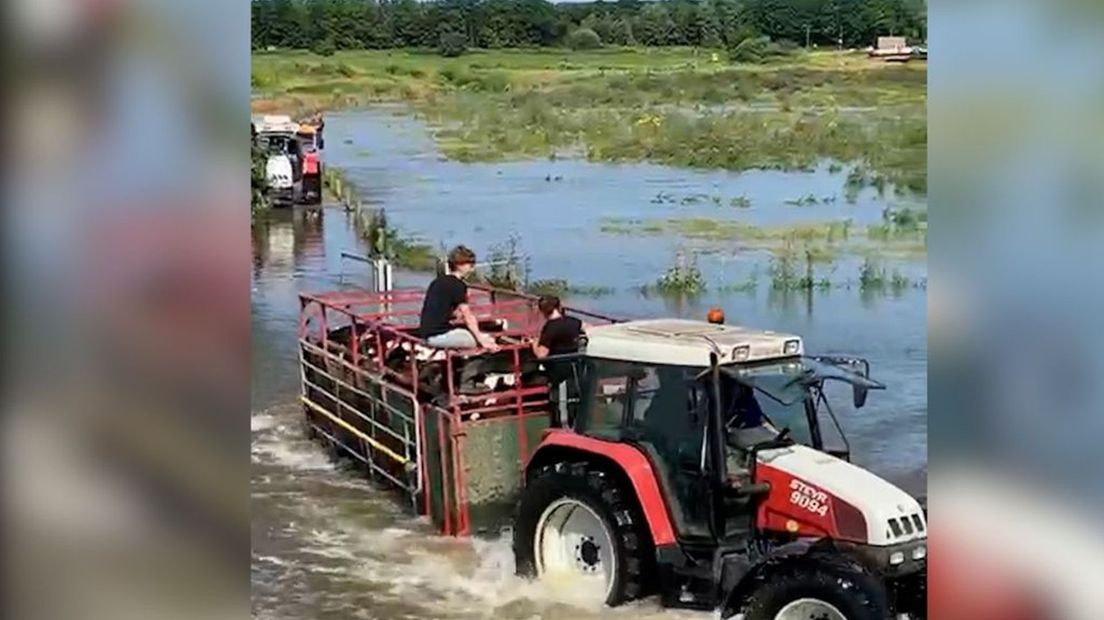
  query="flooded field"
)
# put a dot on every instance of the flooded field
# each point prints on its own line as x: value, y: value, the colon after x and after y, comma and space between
x: 327, y: 545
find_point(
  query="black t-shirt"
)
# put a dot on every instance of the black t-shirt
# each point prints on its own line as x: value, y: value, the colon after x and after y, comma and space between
x: 561, y: 335
x: 443, y: 296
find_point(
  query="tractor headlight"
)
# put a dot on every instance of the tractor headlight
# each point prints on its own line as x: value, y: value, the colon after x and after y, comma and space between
x: 741, y: 353
x: 920, y: 552
x: 897, y: 557
x: 791, y: 347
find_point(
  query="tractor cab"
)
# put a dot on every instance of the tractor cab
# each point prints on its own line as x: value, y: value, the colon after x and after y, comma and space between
x: 662, y: 385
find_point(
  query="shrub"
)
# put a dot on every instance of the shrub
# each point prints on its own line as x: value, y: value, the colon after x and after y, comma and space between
x: 453, y: 44
x: 584, y: 39
x: 751, y: 49
x: 325, y: 47
x: 681, y: 278
x: 759, y: 49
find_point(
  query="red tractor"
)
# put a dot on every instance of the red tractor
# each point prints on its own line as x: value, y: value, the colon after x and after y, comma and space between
x: 680, y: 457
x: 692, y: 462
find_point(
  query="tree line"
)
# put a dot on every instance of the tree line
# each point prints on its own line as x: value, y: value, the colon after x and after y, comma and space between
x: 380, y: 24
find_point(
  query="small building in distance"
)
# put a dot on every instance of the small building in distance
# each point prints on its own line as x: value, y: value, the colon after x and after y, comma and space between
x: 892, y: 49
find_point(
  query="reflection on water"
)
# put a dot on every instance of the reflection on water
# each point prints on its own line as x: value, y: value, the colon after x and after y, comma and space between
x: 327, y: 546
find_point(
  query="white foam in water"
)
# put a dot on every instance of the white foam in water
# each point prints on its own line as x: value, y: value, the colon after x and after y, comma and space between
x: 296, y: 455
x: 261, y: 422
x: 448, y: 576
x: 461, y: 576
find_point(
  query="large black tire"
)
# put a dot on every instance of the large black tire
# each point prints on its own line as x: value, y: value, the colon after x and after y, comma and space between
x: 618, y: 509
x: 843, y: 584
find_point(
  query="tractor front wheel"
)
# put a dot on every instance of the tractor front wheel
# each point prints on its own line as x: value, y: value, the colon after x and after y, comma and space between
x: 821, y: 588
x: 577, y: 529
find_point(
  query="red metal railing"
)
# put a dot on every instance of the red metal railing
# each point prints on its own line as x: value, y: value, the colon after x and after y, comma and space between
x: 381, y: 324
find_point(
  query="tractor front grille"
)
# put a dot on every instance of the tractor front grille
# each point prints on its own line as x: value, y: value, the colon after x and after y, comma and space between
x: 906, y: 525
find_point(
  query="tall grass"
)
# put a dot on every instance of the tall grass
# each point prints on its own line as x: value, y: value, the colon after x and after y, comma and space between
x: 625, y: 104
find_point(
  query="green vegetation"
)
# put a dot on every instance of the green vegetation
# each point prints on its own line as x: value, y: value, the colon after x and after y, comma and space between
x: 507, y: 268
x: 387, y: 242
x: 359, y: 24
x: 561, y: 288
x: 804, y: 201
x: 669, y: 105
x: 755, y: 49
x: 823, y: 238
x: 874, y: 278
x: 453, y: 44
x: 786, y: 262
x: 583, y: 39
x: 682, y: 278
x: 324, y: 47
x: 902, y: 223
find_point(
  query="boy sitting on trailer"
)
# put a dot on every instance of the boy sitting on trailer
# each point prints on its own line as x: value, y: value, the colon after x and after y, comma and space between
x: 559, y: 335
x: 447, y: 322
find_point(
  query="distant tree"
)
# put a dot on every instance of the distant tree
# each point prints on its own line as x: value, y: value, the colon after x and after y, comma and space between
x: 376, y: 24
x: 583, y: 39
x: 710, y: 26
x: 452, y: 44
x: 654, y: 26
x: 325, y: 47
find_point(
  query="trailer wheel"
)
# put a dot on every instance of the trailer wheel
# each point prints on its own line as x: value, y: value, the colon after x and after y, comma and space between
x: 821, y: 588
x: 578, y: 528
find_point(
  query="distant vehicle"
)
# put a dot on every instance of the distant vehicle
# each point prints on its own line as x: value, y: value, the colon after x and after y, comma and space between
x: 276, y: 135
x: 310, y: 143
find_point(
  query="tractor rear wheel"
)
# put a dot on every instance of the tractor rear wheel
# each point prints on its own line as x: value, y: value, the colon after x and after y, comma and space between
x: 818, y: 588
x: 577, y: 528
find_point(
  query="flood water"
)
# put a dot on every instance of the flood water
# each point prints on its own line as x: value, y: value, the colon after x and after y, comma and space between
x: 327, y: 545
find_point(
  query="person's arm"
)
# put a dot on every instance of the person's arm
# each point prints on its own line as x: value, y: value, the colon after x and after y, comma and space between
x: 472, y: 324
x: 540, y: 350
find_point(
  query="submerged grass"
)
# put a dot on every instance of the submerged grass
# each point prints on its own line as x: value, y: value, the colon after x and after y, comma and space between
x: 827, y: 237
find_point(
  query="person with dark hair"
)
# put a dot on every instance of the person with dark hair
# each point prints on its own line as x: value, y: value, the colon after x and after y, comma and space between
x: 560, y: 334
x: 447, y: 321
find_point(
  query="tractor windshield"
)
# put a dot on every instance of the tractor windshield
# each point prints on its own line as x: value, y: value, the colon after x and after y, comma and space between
x: 787, y: 382
x: 760, y: 400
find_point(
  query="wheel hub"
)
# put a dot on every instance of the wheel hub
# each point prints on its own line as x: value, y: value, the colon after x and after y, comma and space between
x: 588, y: 553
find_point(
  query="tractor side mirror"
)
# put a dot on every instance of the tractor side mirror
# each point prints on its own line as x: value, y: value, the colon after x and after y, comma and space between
x: 859, y: 393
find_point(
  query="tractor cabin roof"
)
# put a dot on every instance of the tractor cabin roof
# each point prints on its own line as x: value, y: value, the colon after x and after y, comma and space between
x: 687, y: 343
